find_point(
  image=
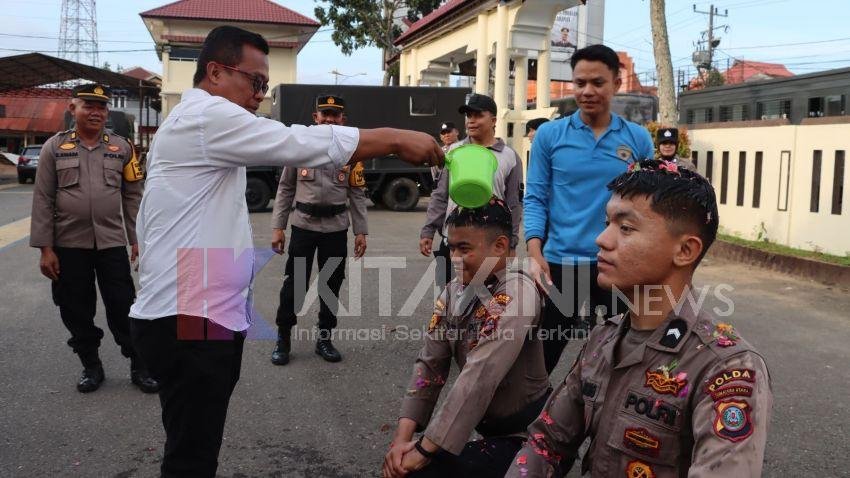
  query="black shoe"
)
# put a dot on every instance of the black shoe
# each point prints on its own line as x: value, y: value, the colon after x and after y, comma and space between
x: 280, y: 354
x: 91, y: 379
x: 144, y: 381
x: 327, y: 351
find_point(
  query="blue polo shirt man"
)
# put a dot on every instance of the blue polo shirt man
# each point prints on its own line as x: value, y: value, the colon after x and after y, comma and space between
x: 572, y: 161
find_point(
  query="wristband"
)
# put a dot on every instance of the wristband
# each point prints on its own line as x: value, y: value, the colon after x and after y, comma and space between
x: 422, y: 451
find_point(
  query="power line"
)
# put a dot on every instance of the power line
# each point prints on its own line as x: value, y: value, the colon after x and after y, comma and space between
x: 789, y: 44
x: 152, y: 50
x: 56, y: 38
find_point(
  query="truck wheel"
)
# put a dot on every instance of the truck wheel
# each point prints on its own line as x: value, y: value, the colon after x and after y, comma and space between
x: 376, y: 199
x: 257, y: 194
x: 401, y: 194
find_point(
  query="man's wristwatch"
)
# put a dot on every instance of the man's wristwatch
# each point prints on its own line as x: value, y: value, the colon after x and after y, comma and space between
x: 422, y: 451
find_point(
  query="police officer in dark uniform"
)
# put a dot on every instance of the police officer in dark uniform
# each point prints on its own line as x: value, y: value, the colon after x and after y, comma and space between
x: 87, y: 193
x: 317, y: 203
x: 668, y: 144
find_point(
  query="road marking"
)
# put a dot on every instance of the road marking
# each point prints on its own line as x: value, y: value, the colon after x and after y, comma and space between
x: 14, y: 231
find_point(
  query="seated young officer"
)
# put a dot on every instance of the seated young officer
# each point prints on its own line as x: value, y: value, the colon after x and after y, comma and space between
x: 485, y: 320
x: 664, y: 390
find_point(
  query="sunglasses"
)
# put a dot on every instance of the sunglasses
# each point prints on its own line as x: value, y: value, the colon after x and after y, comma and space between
x: 257, y: 82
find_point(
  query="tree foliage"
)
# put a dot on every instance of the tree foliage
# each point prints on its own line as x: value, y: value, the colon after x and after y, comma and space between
x: 715, y: 78
x: 362, y: 23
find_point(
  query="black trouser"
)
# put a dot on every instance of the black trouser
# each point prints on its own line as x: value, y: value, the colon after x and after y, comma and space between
x: 74, y: 293
x: 303, y: 245
x: 485, y: 458
x: 563, y: 314
x: 444, y: 270
x: 197, y: 364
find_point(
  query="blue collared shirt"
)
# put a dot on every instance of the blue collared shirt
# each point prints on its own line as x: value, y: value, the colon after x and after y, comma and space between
x: 566, y: 192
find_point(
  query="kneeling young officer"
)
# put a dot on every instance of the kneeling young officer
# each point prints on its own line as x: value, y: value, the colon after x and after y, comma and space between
x: 664, y: 390
x: 485, y: 320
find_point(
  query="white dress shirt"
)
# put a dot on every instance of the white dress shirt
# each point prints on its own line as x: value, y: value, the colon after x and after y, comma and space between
x: 194, y: 234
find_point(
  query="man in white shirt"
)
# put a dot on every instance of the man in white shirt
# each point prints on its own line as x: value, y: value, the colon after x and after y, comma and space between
x: 197, y: 260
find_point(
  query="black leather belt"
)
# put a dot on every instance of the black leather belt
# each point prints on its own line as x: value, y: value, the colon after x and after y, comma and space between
x: 321, y: 210
x: 516, y: 423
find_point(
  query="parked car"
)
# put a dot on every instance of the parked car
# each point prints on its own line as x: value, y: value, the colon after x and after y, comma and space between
x: 28, y: 162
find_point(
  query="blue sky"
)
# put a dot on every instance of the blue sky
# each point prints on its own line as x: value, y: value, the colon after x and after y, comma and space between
x: 812, y: 34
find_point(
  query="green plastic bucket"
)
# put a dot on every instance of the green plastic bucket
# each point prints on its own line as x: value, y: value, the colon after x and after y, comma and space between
x: 471, y: 169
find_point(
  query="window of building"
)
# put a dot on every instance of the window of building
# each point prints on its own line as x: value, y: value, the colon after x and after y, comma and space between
x: 814, y: 204
x: 835, y: 105
x: 757, y: 180
x: 831, y: 105
x: 695, y: 159
x: 740, y: 112
x: 700, y: 115
x: 709, y: 166
x: 742, y: 177
x: 724, y: 176
x: 773, y: 109
x: 816, y: 107
x: 2, y: 111
x: 119, y: 101
x: 184, y: 53
x: 838, y: 183
x: 784, y: 180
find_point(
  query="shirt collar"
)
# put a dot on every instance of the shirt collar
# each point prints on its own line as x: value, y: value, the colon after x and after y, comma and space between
x: 668, y: 337
x: 73, y: 136
x: 576, y: 122
x: 193, y: 93
x: 498, y: 146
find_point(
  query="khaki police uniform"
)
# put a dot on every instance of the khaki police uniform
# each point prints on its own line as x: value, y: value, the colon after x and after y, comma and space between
x: 85, y: 203
x: 490, y: 333
x: 689, y: 399
x: 317, y: 204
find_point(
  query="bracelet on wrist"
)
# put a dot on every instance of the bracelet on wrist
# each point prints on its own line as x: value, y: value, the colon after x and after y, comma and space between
x: 422, y: 451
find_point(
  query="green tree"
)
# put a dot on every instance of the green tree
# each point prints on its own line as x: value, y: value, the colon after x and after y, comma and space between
x: 361, y: 23
x: 715, y: 78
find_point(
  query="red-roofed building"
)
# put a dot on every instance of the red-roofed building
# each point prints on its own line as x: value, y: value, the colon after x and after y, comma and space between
x: 743, y: 71
x: 140, y: 73
x: 179, y: 30
x: 31, y: 116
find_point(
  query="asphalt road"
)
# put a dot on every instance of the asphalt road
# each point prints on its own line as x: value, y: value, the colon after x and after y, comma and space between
x: 316, y: 419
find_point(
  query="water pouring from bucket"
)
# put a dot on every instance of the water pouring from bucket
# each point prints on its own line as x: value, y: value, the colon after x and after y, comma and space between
x: 471, y: 169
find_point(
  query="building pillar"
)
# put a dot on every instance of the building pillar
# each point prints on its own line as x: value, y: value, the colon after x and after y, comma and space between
x: 402, y: 69
x: 520, y: 98
x: 543, y: 86
x: 520, y: 82
x: 482, y: 66
x: 502, y: 74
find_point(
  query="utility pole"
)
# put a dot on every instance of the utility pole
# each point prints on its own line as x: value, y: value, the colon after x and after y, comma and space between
x: 704, y: 57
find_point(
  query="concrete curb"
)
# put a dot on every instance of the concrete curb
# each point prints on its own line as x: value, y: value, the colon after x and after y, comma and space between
x: 823, y: 272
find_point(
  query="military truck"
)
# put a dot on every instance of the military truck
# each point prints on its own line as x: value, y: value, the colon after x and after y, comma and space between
x: 389, y: 181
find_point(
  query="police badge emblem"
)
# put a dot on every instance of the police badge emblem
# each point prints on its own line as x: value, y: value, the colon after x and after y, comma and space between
x: 624, y: 152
